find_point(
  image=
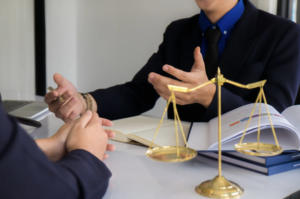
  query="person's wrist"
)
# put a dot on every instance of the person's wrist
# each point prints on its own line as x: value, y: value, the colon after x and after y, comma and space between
x: 88, y: 101
x: 52, y: 145
x: 57, y: 148
x: 48, y: 147
x: 82, y: 146
x: 84, y: 105
x: 210, y: 93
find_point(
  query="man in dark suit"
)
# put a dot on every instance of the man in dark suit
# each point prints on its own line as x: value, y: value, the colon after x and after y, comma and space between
x: 77, y: 149
x: 247, y: 44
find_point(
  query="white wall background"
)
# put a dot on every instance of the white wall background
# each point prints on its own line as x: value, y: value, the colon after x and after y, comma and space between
x: 17, y: 47
x: 61, y: 39
x: 266, y: 5
x: 116, y: 38
x: 98, y: 44
x: 93, y: 43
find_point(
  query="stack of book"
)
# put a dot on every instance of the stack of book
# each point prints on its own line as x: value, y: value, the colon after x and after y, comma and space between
x: 287, y: 127
x: 203, y: 136
x: 266, y: 165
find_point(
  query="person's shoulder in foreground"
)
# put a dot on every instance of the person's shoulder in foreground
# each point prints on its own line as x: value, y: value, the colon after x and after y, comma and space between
x: 26, y: 172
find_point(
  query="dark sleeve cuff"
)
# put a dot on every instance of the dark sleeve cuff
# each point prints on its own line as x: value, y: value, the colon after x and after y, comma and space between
x: 91, y: 173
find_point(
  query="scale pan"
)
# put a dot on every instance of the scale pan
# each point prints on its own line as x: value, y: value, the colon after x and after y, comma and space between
x: 258, y: 149
x: 170, y: 154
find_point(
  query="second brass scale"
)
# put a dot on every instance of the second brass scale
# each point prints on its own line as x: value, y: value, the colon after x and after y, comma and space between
x: 218, y: 187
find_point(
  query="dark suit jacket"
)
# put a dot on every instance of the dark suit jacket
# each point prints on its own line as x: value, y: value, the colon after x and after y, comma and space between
x: 25, y: 172
x: 261, y: 46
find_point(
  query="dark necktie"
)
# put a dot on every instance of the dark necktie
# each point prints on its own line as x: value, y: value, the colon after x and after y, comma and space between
x: 212, y: 37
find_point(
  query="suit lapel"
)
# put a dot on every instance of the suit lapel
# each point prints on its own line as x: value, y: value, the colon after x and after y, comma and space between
x: 189, y: 41
x: 234, y: 57
x: 239, y: 45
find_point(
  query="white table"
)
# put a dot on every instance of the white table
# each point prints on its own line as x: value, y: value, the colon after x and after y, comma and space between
x: 137, y: 176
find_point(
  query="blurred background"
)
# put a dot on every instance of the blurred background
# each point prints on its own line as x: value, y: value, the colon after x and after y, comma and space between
x: 93, y: 43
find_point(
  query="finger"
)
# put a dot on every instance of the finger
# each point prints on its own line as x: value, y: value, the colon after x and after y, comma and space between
x: 71, y: 117
x: 162, y: 90
x: 110, y: 133
x: 60, y: 80
x: 105, y: 156
x: 178, y: 100
x: 85, y: 119
x: 159, y: 80
x: 110, y: 147
x: 199, y: 63
x: 162, y: 94
x: 65, y: 110
x: 96, y: 120
x: 67, y: 120
x: 179, y: 97
x: 55, y: 105
x: 66, y: 96
x: 106, y: 122
x: 182, y: 99
x: 51, y: 96
x: 179, y: 74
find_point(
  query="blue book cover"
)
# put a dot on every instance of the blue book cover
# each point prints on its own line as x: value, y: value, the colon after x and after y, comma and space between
x: 267, y: 161
x: 267, y: 170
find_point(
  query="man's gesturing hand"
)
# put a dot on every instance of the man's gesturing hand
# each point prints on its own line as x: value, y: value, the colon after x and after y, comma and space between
x: 73, y: 103
x: 89, y: 135
x: 191, y: 79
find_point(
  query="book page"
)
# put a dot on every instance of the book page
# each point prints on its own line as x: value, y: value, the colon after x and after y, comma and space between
x: 165, y: 137
x: 235, y: 121
x: 292, y: 114
x: 288, y: 141
x: 199, y: 138
x: 137, y: 124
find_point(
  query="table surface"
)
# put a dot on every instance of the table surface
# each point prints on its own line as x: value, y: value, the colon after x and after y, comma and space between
x: 137, y: 176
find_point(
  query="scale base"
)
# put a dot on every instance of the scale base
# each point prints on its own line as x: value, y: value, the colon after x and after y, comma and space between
x: 219, y: 187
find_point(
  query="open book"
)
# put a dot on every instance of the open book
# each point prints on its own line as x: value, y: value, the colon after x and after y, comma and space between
x: 204, y: 136
x: 141, y: 129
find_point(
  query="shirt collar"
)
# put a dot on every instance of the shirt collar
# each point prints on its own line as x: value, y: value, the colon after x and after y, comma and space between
x: 227, y: 22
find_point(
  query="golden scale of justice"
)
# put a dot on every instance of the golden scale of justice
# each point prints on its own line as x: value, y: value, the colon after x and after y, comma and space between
x: 218, y: 187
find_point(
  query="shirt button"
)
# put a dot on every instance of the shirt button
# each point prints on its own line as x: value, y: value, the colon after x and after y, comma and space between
x: 225, y: 32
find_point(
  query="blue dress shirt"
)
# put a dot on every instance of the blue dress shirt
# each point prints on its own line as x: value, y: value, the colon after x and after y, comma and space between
x: 225, y: 24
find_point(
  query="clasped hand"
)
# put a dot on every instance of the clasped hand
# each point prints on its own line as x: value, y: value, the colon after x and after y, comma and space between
x: 196, y: 77
x: 84, y: 133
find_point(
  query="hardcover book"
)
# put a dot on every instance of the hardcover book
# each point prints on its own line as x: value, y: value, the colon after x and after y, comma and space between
x: 266, y: 161
x: 267, y: 170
